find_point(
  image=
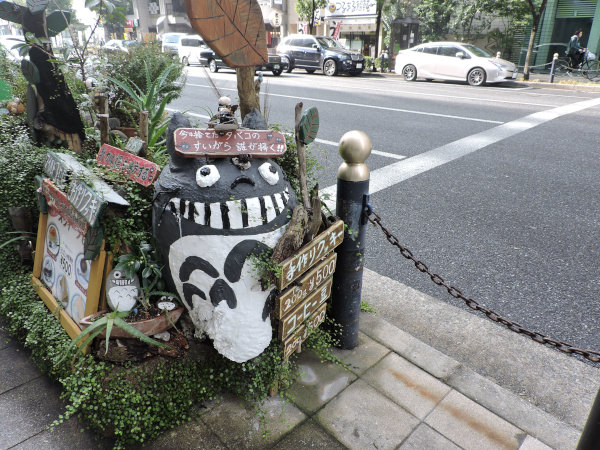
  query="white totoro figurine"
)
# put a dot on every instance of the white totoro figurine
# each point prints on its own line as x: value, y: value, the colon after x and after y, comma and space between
x: 122, y: 293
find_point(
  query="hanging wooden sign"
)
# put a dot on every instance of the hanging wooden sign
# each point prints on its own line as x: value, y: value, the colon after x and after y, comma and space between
x: 292, y: 343
x: 134, y: 167
x: 86, y: 201
x: 60, y: 206
x: 304, y: 310
x: 192, y: 143
x: 305, y: 286
x: 310, y: 254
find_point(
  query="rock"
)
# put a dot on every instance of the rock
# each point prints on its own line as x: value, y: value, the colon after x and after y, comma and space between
x: 255, y: 120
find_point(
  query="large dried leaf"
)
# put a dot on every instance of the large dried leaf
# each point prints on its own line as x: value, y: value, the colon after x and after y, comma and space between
x: 234, y: 29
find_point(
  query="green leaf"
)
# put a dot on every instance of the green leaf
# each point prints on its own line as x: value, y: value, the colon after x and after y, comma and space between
x: 30, y: 71
x: 11, y: 12
x: 109, y: 325
x: 138, y: 334
x: 37, y: 6
x: 309, y: 126
x: 57, y: 21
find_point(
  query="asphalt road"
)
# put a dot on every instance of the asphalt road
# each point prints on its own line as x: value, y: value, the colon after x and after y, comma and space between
x: 494, y: 188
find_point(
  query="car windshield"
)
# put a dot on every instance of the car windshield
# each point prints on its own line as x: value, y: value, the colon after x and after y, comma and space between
x: 328, y: 43
x: 477, y: 51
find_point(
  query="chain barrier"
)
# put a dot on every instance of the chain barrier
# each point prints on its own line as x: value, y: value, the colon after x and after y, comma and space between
x: 590, y: 355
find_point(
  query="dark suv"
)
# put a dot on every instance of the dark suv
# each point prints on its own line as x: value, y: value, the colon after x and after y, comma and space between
x: 304, y: 51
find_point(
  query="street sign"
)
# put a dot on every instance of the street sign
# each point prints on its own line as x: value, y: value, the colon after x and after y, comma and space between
x: 310, y: 254
x: 192, y: 142
x: 135, y: 168
x: 304, y: 310
x: 292, y: 343
x: 305, y: 286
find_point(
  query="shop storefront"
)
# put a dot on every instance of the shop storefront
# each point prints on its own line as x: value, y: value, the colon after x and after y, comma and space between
x: 357, y: 24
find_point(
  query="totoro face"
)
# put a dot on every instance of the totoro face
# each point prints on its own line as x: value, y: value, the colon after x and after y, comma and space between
x: 210, y: 216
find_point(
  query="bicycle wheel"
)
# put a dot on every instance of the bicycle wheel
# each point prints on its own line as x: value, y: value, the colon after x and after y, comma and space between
x: 591, y: 70
x: 562, y: 68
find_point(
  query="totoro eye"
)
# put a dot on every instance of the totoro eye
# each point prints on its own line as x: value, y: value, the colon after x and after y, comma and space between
x: 207, y: 175
x: 117, y: 274
x: 269, y: 173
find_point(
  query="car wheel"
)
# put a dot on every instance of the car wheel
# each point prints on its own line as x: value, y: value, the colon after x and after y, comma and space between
x: 212, y: 65
x: 277, y: 72
x: 476, y: 77
x: 330, y: 68
x: 285, y: 59
x: 185, y: 61
x: 310, y: 70
x: 409, y: 72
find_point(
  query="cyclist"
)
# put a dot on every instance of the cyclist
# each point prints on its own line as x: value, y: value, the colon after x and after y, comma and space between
x: 574, y: 50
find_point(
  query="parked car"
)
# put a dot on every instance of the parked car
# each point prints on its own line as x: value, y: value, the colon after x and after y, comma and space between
x: 453, y: 61
x: 213, y: 62
x: 189, y: 49
x: 118, y: 45
x: 170, y: 42
x: 304, y: 51
x: 8, y: 41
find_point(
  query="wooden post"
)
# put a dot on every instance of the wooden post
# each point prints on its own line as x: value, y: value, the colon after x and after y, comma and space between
x: 246, y: 90
x: 102, y: 104
x: 144, y: 132
x: 104, y: 129
x: 301, y: 149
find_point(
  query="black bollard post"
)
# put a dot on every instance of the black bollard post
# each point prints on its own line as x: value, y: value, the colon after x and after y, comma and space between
x: 554, y: 58
x: 590, y: 436
x: 352, y: 196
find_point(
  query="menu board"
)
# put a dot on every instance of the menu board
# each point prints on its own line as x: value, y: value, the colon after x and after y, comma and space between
x: 65, y: 272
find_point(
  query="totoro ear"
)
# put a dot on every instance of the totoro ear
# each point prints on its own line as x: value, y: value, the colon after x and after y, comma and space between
x: 178, y: 120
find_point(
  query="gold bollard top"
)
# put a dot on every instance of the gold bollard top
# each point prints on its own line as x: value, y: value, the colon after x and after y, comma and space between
x: 354, y: 147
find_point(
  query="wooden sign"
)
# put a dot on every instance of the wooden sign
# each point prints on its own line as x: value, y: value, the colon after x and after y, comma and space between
x: 135, y: 168
x: 56, y: 169
x: 305, y: 286
x: 292, y: 343
x: 85, y: 200
x: 304, y: 310
x: 192, y: 142
x: 310, y: 254
x: 309, y: 126
x: 58, y: 201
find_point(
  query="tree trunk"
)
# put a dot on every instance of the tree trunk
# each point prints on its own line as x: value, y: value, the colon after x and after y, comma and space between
x: 249, y: 98
x: 377, y: 30
x: 530, y: 48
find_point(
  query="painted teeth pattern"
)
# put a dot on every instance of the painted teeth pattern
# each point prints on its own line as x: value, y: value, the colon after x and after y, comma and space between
x: 233, y: 214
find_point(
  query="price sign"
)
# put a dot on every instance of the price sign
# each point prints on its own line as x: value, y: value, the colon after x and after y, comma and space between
x: 292, y: 343
x: 135, y: 168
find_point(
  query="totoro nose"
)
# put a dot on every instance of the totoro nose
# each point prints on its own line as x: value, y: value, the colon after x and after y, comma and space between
x: 221, y: 291
x: 242, y: 179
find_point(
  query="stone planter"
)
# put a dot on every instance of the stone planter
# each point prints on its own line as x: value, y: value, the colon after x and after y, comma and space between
x: 149, y: 327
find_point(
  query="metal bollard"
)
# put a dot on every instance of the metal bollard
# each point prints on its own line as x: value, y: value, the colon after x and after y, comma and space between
x: 554, y: 58
x: 352, y: 199
x: 498, y: 54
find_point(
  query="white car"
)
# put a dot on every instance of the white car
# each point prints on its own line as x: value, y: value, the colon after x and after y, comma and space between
x: 118, y: 44
x: 170, y: 42
x: 453, y: 61
x: 189, y: 49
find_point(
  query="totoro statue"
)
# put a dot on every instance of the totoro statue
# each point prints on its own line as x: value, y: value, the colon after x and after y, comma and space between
x: 211, y: 218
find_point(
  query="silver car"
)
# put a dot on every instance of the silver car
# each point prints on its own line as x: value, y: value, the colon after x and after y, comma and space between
x: 453, y: 61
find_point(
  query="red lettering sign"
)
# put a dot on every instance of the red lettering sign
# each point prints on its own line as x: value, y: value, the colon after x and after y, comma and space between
x: 58, y: 201
x: 133, y: 167
x: 193, y: 142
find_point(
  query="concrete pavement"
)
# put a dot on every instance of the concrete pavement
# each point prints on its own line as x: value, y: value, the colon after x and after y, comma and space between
x: 425, y: 375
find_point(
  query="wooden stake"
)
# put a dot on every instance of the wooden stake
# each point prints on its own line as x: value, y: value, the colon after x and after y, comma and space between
x: 144, y: 132
x: 301, y: 150
x: 104, y: 129
x: 246, y: 90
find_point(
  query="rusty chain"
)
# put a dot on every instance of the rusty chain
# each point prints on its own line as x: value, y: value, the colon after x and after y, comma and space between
x: 590, y: 355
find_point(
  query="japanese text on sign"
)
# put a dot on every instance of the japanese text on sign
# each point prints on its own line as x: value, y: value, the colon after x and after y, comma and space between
x: 293, y: 342
x: 59, y: 202
x: 191, y: 142
x: 310, y: 254
x: 89, y: 203
x: 289, y: 323
x: 305, y: 286
x: 351, y: 8
x: 135, y: 168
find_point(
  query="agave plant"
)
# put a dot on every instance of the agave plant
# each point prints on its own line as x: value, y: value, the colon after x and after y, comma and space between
x: 107, y: 322
x: 149, y: 101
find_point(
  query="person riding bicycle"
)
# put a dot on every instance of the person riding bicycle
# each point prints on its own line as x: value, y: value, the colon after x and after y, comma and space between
x: 574, y: 50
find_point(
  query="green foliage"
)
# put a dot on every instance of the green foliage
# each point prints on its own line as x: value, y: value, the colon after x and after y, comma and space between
x: 10, y: 72
x: 366, y: 307
x: 434, y: 17
x: 306, y: 10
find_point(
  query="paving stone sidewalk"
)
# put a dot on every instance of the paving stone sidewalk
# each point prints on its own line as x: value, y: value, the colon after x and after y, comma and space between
x: 397, y: 392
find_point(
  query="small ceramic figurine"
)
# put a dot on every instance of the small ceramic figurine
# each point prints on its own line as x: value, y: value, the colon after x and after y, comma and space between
x: 121, y: 293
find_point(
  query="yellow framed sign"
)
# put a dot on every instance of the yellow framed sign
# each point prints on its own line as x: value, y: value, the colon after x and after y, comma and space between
x: 67, y: 282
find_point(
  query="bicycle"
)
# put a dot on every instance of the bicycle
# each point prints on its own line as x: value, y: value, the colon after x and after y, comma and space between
x: 589, y: 68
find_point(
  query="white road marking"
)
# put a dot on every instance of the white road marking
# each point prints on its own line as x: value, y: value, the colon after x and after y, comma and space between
x: 403, y: 170
x: 362, y: 105
x: 373, y: 152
